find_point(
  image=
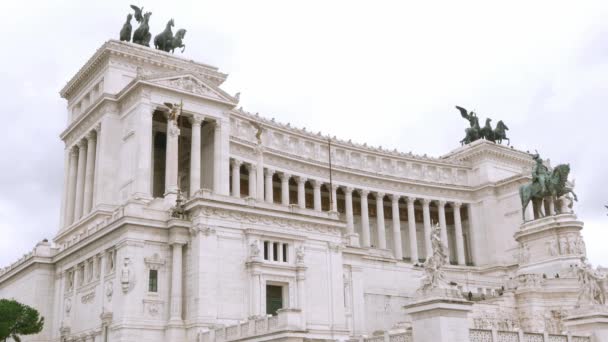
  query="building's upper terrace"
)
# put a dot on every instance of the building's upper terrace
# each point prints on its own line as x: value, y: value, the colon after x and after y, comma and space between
x: 474, y: 164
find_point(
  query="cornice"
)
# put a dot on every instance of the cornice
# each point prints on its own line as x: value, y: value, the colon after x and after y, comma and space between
x: 76, y: 129
x: 212, y: 207
x: 282, y: 161
x: 343, y: 144
x: 141, y: 54
x: 483, y: 148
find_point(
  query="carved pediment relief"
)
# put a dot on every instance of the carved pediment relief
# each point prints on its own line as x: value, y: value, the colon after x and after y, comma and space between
x: 191, y: 84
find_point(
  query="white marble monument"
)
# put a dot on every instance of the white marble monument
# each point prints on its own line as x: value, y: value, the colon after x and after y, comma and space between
x: 264, y: 246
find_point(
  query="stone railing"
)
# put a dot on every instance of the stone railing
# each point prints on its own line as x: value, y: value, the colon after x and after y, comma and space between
x: 482, y: 335
x: 286, y: 320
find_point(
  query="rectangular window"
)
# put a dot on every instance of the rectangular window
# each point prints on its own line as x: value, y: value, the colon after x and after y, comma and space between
x: 266, y: 251
x: 274, y: 299
x: 275, y: 251
x: 153, y: 281
x: 284, y: 252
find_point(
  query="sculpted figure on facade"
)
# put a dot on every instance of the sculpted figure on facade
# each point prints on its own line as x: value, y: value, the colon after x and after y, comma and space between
x: 254, y: 250
x: 573, y: 244
x: 552, y: 247
x: 563, y: 245
x: 125, y: 276
x: 581, y: 247
x: 523, y: 253
x: 434, y: 278
x: 592, y: 284
x: 300, y: 253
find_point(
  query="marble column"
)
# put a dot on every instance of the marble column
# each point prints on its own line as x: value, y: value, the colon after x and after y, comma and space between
x: 380, y: 220
x: 259, y: 180
x: 351, y: 236
x: 411, y: 221
x: 458, y: 232
x: 472, y: 214
x: 176, y: 283
x: 365, y: 232
x: 252, y: 191
x: 145, y: 143
x: 195, y: 155
x: 236, y: 177
x: 316, y: 185
x: 397, y: 249
x: 82, y: 159
x: 426, y: 216
x: 71, y: 196
x: 89, y: 172
x: 443, y: 227
x: 301, y: 192
x: 268, y: 173
x: 285, y: 188
x: 217, y: 157
x: 171, y: 161
x: 334, y: 198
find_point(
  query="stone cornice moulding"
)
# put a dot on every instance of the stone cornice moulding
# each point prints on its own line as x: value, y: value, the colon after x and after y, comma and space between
x: 271, y: 234
x: 143, y: 55
x: 481, y: 149
x: 358, y: 178
x: 87, y: 121
x: 206, y: 211
x: 347, y: 145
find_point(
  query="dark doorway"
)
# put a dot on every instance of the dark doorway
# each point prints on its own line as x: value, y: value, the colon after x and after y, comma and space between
x: 274, y: 299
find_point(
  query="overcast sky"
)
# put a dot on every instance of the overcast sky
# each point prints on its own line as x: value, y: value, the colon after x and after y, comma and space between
x: 385, y: 73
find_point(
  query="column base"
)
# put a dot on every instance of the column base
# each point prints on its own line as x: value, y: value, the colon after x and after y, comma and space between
x: 589, y: 321
x: 439, y: 319
x: 352, y: 239
x: 176, y: 331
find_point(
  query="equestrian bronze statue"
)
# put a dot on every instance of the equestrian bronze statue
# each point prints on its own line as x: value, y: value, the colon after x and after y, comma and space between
x: 546, y: 184
x: 475, y: 132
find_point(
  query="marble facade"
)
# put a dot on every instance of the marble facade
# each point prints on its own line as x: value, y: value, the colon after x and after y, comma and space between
x: 262, y: 215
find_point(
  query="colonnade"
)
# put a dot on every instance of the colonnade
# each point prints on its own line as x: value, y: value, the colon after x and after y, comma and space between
x: 81, y: 178
x: 365, y: 239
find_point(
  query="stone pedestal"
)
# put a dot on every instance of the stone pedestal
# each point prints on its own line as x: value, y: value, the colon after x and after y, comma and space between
x: 550, y: 244
x: 591, y: 321
x: 440, y: 319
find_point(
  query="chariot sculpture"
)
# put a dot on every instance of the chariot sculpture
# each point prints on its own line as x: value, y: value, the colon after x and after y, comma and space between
x: 164, y: 41
x: 475, y: 132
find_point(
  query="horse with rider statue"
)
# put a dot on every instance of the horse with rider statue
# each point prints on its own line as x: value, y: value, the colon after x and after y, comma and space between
x: 549, y: 187
x: 164, y: 41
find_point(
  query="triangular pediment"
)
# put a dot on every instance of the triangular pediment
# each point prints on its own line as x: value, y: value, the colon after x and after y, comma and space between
x: 189, y: 83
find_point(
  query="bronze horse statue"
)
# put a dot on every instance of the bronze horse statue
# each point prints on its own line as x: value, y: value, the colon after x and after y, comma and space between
x: 176, y: 42
x: 556, y: 187
x: 162, y: 41
x: 487, y: 132
x: 142, y: 35
x: 125, y: 32
x: 500, y: 133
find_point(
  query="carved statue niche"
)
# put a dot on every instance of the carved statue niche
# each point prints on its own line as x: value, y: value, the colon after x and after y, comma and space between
x: 126, y: 276
x: 254, y: 250
x: 300, y: 253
